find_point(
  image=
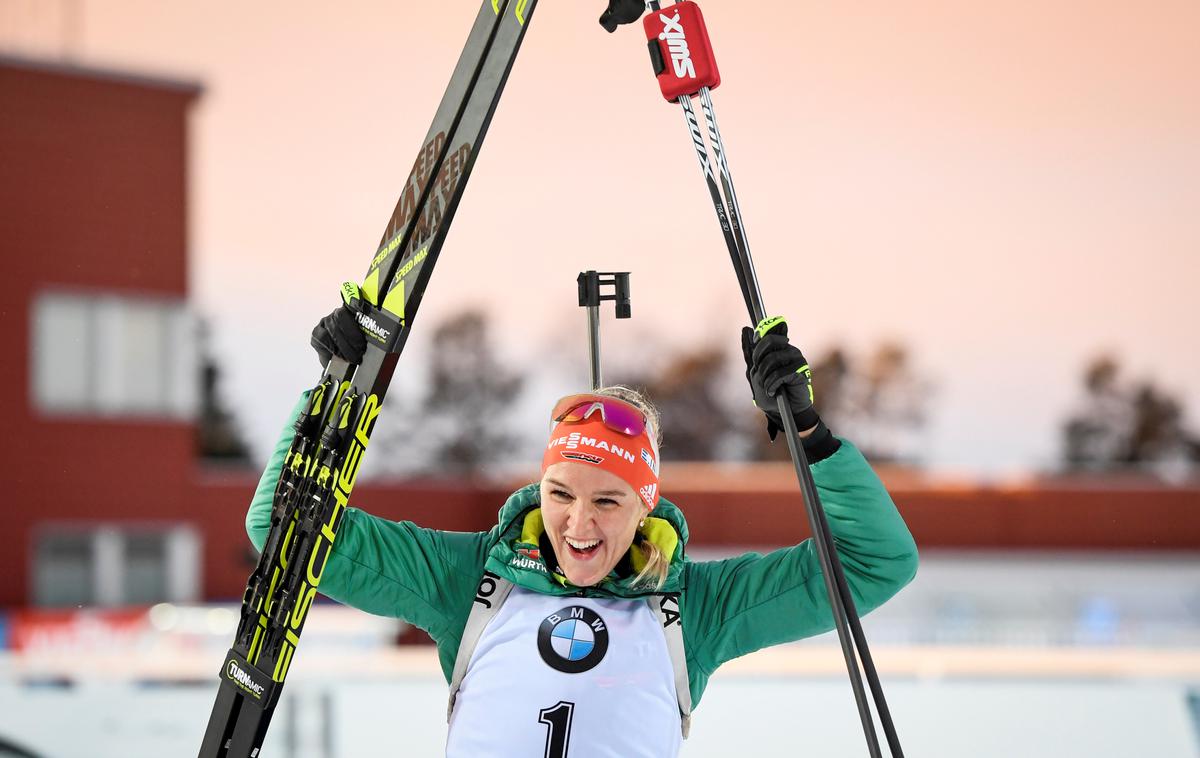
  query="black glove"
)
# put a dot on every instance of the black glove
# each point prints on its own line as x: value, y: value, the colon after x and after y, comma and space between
x: 774, y: 366
x: 339, y: 334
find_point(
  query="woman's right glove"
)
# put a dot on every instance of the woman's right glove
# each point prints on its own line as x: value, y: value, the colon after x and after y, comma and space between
x: 339, y: 334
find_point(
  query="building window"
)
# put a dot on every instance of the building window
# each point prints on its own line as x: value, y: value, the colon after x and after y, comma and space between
x: 105, y: 354
x: 115, y: 566
x: 62, y: 571
x: 62, y: 345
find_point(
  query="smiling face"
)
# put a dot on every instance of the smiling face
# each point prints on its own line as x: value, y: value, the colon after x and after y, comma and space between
x: 591, y: 516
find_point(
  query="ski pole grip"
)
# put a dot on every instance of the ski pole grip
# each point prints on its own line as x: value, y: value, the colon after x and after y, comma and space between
x: 621, y: 12
x: 680, y: 52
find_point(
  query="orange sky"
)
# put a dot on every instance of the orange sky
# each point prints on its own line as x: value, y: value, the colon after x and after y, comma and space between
x: 1006, y: 187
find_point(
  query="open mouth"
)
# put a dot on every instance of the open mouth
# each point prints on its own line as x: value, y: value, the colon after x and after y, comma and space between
x: 582, y: 550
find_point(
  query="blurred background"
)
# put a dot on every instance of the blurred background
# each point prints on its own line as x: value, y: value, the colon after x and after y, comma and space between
x: 982, y: 220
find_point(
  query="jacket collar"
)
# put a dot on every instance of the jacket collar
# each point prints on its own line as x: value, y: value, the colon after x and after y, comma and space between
x: 519, y: 553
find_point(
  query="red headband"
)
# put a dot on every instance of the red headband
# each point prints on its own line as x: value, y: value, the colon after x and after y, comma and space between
x: 591, y: 442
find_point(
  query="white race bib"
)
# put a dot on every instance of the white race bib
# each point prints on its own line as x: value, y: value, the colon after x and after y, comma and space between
x: 559, y: 677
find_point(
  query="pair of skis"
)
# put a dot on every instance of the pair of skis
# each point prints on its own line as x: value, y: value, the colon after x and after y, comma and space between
x: 685, y: 66
x: 334, y: 429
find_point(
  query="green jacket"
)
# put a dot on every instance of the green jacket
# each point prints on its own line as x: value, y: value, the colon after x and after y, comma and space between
x: 729, y: 607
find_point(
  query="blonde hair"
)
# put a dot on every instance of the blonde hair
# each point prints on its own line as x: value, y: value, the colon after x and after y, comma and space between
x: 654, y: 574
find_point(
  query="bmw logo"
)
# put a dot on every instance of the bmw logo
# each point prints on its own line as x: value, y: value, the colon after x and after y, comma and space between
x: 573, y: 640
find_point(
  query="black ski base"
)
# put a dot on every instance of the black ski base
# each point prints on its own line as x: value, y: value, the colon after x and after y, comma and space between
x: 332, y: 435
x: 245, y: 702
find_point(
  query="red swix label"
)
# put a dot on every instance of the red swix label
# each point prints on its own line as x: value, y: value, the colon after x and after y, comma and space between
x: 679, y: 48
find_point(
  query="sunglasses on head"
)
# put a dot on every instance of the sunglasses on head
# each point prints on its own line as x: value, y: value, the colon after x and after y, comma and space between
x: 618, y: 415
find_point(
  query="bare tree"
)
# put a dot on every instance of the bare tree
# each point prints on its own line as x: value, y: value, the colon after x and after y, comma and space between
x: 686, y: 390
x: 890, y: 412
x: 462, y: 425
x: 1121, y: 425
x: 1097, y: 433
x: 218, y: 436
x: 696, y: 423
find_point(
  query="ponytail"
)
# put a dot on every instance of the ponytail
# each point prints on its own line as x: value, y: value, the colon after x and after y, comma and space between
x: 654, y: 574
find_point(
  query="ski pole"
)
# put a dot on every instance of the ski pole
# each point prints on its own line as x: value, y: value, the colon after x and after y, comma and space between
x: 689, y: 60
x: 841, y: 601
x: 860, y: 639
x: 589, y: 283
x: 813, y: 509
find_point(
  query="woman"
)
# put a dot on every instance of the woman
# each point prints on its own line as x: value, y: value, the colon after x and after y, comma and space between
x: 577, y: 623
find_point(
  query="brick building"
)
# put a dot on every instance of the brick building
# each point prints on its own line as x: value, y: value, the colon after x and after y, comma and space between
x: 99, y: 394
x: 107, y: 502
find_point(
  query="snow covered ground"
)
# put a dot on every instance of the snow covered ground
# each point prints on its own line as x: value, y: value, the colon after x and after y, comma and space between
x: 740, y: 714
x: 1037, y: 656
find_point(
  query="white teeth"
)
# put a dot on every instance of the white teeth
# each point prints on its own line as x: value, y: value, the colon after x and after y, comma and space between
x: 578, y: 545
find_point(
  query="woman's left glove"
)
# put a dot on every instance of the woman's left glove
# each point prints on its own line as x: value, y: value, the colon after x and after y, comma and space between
x: 774, y: 366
